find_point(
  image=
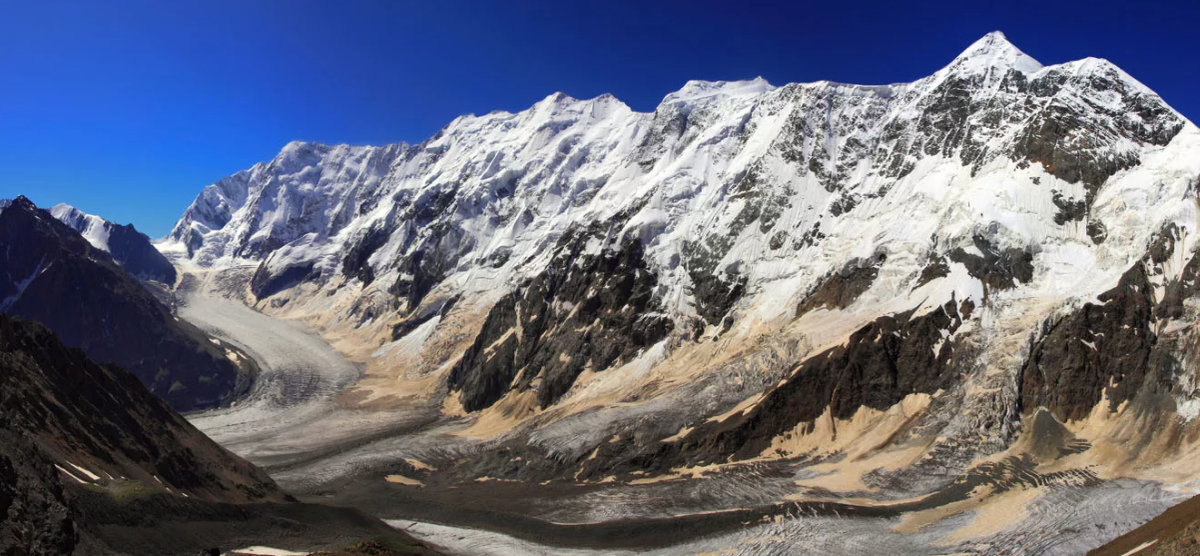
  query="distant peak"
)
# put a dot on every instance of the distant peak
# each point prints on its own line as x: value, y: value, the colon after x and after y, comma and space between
x: 65, y: 213
x: 63, y: 208
x: 301, y: 151
x: 994, y: 50
x: 21, y: 204
x: 299, y: 145
x: 561, y: 98
x: 995, y: 37
x: 557, y: 97
x: 988, y: 44
x: 556, y: 101
x: 697, y: 89
x: 560, y: 104
x: 23, y: 201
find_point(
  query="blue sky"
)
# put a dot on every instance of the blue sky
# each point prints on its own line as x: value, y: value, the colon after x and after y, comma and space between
x: 128, y: 108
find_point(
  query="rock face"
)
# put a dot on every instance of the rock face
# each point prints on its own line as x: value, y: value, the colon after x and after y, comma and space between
x: 789, y: 252
x: 1069, y: 371
x: 37, y: 519
x: 881, y: 363
x: 128, y: 247
x: 53, y: 275
x: 1114, y: 349
x: 585, y: 312
x: 840, y: 290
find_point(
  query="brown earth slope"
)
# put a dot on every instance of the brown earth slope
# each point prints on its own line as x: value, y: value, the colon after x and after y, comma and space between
x: 1174, y: 533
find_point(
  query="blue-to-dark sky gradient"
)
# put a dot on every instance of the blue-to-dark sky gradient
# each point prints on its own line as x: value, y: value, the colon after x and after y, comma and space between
x: 127, y: 109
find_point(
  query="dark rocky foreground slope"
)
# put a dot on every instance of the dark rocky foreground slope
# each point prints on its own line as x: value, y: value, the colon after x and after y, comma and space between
x: 51, y: 274
x: 93, y: 463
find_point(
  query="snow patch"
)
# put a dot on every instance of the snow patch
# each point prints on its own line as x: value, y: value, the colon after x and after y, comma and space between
x: 267, y: 551
x: 1141, y: 547
x: 21, y: 286
x: 71, y: 475
x: 89, y: 474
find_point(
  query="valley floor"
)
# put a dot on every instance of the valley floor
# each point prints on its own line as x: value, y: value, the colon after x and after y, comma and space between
x: 294, y: 426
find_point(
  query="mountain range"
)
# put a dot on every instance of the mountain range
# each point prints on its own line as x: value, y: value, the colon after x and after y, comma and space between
x: 960, y: 215
x: 961, y: 309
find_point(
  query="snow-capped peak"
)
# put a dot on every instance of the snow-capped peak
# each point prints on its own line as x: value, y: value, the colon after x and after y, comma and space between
x: 697, y: 89
x: 561, y: 103
x: 92, y: 228
x: 1104, y: 68
x: 994, y: 51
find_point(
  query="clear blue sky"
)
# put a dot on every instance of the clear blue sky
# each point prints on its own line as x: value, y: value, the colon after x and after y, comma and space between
x: 128, y: 108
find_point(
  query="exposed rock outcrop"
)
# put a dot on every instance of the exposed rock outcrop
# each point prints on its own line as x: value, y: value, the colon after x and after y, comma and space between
x: 881, y: 363
x: 591, y: 309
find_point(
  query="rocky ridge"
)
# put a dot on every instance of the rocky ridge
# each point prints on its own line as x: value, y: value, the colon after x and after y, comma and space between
x: 128, y: 247
x: 52, y: 274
